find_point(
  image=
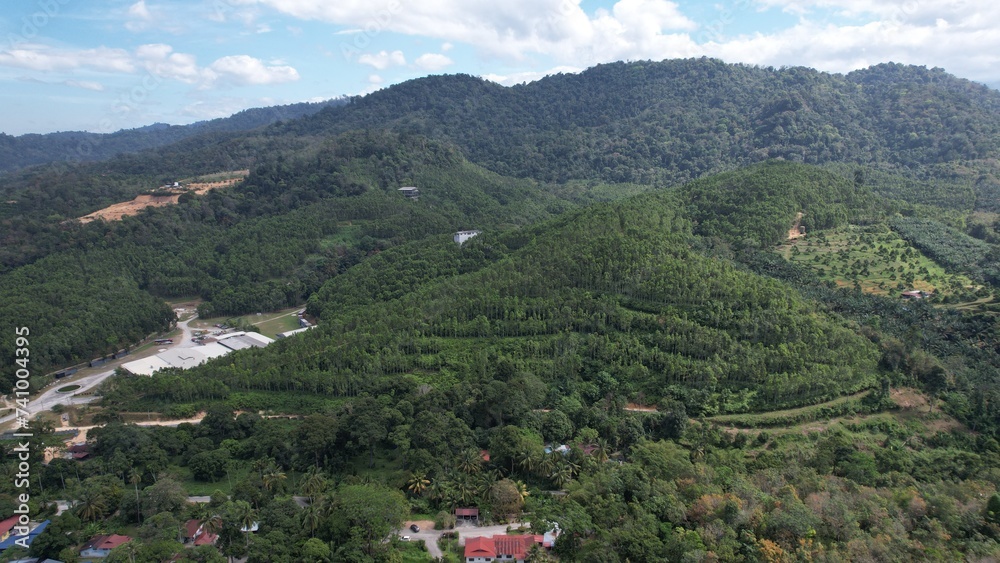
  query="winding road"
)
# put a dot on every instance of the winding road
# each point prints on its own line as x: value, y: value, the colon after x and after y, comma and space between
x: 52, y: 397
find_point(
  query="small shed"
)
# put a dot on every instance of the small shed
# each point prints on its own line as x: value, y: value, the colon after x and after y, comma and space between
x: 467, y: 514
x: 410, y: 192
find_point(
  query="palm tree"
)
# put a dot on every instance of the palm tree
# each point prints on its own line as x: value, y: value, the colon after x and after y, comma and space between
x: 313, y: 483
x: 470, y: 461
x: 135, y: 477
x: 562, y: 474
x: 526, y: 460
x: 522, y: 489
x: 92, y: 505
x: 208, y: 517
x: 418, y: 483
x: 547, y: 464
x: 246, y: 516
x: 274, y: 478
x: 312, y: 515
x: 602, y: 450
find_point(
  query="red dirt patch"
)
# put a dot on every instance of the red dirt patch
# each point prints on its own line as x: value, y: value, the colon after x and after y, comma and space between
x: 125, y: 209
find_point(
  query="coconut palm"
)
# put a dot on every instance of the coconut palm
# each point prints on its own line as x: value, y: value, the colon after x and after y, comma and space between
x: 135, y: 477
x: 418, y: 483
x: 313, y: 483
x: 470, y: 461
x: 92, y: 505
x: 274, y: 478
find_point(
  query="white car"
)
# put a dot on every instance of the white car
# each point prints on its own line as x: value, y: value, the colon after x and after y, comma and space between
x: 406, y: 538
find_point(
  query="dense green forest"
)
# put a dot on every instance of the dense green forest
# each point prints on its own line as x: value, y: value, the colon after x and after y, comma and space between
x: 259, y: 247
x: 78, y: 146
x: 624, y: 298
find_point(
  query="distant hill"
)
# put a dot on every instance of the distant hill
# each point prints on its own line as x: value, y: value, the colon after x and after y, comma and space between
x: 75, y: 146
x: 675, y: 120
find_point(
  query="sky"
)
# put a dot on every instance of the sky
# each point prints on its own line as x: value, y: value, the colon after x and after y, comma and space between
x: 105, y: 65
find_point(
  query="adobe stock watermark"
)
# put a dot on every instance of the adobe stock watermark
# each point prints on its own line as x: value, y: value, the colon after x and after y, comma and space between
x: 378, y: 23
x: 121, y: 107
x: 22, y: 434
x: 32, y: 24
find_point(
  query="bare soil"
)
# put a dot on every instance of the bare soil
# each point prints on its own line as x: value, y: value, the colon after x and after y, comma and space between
x: 117, y: 211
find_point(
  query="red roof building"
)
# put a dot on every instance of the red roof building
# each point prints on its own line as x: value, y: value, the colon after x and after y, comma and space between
x: 101, y: 546
x: 6, y: 526
x: 479, y: 550
x: 194, y: 531
x: 504, y: 548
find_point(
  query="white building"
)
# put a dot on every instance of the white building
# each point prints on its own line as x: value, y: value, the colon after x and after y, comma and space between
x: 462, y: 236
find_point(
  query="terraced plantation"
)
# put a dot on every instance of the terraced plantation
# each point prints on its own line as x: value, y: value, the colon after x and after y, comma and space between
x: 877, y: 260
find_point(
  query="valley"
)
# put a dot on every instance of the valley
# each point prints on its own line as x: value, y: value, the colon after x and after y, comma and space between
x: 729, y: 314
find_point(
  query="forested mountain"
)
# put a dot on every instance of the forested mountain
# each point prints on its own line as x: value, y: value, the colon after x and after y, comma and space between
x: 676, y: 277
x: 267, y: 244
x: 79, y: 146
x: 665, y: 122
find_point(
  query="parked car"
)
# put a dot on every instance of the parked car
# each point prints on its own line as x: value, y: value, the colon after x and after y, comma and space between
x: 414, y: 528
x: 406, y: 538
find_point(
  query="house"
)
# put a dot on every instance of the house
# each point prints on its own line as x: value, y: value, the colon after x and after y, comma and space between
x: 100, y: 546
x: 410, y: 192
x: 462, y: 236
x: 480, y: 550
x: 195, y: 534
x: 78, y: 452
x: 501, y: 548
x: 6, y: 526
x: 467, y: 514
x: 22, y: 541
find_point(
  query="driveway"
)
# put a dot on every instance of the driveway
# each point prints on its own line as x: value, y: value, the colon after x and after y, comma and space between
x: 426, y: 533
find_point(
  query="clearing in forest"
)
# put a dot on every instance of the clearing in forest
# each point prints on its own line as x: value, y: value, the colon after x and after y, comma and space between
x: 167, y: 196
x: 876, y: 259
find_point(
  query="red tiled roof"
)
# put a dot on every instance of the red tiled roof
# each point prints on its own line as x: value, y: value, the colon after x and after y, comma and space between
x: 8, y: 525
x: 480, y: 547
x: 107, y: 542
x: 485, y: 454
x: 206, y: 539
x: 191, y: 528
x: 467, y: 512
x: 517, y: 546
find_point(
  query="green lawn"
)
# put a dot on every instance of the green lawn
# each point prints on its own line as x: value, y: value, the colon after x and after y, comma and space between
x: 874, y: 258
x: 269, y: 324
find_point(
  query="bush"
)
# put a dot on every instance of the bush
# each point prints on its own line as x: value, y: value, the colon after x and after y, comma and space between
x: 444, y: 520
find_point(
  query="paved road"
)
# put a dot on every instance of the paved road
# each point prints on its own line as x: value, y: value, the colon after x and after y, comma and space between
x: 430, y: 535
x: 51, y: 397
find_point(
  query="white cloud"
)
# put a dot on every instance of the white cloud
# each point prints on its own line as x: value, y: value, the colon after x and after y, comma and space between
x: 85, y: 84
x: 158, y: 59
x: 374, y: 79
x: 383, y: 59
x: 832, y: 35
x: 432, y: 62
x: 529, y: 76
x: 48, y: 59
x: 139, y: 16
x: 963, y: 38
x: 513, y: 29
x: 244, y: 70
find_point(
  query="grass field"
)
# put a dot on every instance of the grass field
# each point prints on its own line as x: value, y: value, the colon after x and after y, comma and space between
x: 269, y: 324
x: 347, y: 232
x: 875, y: 259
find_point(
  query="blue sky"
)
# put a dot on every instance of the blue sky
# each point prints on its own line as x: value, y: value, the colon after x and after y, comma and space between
x: 108, y: 65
